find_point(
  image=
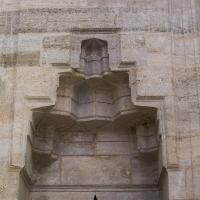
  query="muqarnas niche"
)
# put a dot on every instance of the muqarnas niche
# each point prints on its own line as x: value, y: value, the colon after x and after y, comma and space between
x: 93, y: 140
x: 94, y: 58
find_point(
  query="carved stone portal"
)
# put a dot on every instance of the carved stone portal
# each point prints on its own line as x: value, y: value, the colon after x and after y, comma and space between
x: 93, y: 140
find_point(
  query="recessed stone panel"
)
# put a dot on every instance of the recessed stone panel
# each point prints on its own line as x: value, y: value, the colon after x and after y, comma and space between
x: 99, y: 170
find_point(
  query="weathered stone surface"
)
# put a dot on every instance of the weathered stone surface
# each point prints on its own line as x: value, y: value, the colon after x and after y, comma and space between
x: 158, y: 42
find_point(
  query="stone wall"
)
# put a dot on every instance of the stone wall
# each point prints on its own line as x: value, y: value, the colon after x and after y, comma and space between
x: 157, y: 40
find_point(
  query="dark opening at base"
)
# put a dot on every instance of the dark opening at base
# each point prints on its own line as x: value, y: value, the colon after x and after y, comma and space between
x: 95, y: 197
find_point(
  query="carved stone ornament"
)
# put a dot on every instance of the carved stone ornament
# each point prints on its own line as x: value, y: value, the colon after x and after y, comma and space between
x: 93, y: 137
x: 94, y: 59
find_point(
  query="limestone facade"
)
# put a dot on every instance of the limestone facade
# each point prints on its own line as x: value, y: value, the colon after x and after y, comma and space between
x: 100, y: 97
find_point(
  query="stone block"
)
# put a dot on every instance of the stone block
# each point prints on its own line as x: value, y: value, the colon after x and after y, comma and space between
x: 158, y: 43
x: 177, y: 178
x: 113, y: 148
x: 100, y: 170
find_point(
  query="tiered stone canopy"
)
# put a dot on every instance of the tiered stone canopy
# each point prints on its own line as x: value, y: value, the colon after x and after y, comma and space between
x: 94, y: 136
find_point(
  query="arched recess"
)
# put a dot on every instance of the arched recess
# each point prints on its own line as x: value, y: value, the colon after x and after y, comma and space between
x: 94, y: 139
x: 94, y: 58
